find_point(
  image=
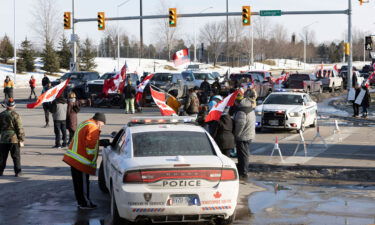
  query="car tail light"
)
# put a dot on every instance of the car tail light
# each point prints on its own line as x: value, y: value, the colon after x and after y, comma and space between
x: 151, y: 176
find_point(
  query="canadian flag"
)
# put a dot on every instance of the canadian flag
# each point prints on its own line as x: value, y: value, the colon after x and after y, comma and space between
x: 218, y: 109
x: 367, y: 84
x: 116, y: 83
x: 49, y: 95
x: 181, y: 57
x: 159, y: 99
x: 141, y: 87
x: 335, y: 68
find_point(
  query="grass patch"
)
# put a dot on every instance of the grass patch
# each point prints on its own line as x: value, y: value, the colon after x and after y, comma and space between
x: 168, y: 67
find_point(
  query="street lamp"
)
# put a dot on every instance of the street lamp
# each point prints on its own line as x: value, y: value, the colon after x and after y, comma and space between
x: 195, y: 35
x: 304, y: 38
x: 118, y: 36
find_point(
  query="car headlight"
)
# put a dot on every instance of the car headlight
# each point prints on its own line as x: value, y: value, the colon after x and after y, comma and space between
x: 258, y: 113
x: 294, y: 114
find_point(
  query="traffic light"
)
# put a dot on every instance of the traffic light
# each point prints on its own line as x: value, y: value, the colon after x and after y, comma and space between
x: 67, y: 20
x: 172, y: 17
x: 368, y: 43
x: 347, y: 48
x: 101, y: 21
x: 246, y: 15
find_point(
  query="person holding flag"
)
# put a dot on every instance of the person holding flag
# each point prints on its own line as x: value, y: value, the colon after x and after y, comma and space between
x: 140, y: 89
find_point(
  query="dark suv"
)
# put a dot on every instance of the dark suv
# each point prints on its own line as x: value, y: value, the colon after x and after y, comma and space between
x: 78, y: 82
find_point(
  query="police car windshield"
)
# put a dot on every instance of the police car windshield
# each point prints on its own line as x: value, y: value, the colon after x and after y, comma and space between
x: 171, y: 143
x: 280, y: 99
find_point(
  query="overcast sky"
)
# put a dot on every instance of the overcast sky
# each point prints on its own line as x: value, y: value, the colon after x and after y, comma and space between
x: 327, y: 28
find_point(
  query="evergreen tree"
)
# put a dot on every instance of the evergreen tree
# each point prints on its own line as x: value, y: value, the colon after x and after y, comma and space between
x: 50, y: 59
x: 6, y: 49
x: 26, y: 57
x: 88, y: 54
x: 64, y: 53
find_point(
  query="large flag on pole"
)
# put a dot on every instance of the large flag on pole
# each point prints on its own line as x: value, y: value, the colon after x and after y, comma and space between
x: 181, y: 57
x: 160, y: 99
x: 216, y: 111
x: 114, y: 84
x: 142, y: 86
x: 49, y: 95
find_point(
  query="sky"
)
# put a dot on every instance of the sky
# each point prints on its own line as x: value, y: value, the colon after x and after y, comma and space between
x: 326, y: 27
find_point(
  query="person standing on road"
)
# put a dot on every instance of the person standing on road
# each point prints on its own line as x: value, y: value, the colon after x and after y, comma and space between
x: 32, y: 83
x: 46, y: 106
x: 81, y: 157
x: 59, y: 110
x: 45, y: 83
x: 205, y: 91
x: 244, y: 131
x: 366, y: 101
x: 216, y: 87
x: 11, y: 137
x: 224, y: 134
x: 74, y: 107
x: 129, y: 95
x: 8, y: 88
x: 192, y: 103
x: 356, y: 106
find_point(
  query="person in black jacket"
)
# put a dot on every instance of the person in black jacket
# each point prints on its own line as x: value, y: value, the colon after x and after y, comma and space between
x: 356, y: 106
x: 205, y: 91
x: 224, y: 134
x: 45, y: 83
x: 129, y: 95
x: 366, y: 101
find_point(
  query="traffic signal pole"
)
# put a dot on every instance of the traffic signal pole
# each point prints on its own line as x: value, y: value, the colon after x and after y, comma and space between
x: 350, y: 56
x: 73, y: 38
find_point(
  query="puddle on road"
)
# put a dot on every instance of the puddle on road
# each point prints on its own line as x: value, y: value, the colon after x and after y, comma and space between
x: 303, y: 202
x: 326, y: 109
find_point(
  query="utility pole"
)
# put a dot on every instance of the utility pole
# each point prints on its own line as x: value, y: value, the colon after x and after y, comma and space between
x: 227, y: 36
x: 350, y: 56
x: 141, y: 32
x: 15, y: 46
x: 73, y: 38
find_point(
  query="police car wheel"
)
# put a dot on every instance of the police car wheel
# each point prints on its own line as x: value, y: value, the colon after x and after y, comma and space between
x: 101, y: 179
x: 222, y: 221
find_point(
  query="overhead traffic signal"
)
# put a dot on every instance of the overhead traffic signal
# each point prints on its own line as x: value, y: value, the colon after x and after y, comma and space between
x: 67, y: 20
x: 368, y: 43
x: 172, y: 17
x: 246, y: 15
x: 101, y: 21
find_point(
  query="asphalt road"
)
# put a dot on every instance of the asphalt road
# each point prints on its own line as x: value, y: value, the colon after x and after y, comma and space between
x: 44, y: 195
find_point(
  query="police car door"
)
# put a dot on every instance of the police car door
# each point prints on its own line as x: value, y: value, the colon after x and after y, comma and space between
x: 112, y: 167
x: 310, y: 109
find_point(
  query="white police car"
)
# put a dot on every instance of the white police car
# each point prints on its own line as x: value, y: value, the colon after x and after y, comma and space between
x: 287, y: 110
x: 163, y: 169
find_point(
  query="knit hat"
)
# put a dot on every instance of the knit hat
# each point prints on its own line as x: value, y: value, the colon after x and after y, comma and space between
x: 99, y: 117
x: 10, y: 102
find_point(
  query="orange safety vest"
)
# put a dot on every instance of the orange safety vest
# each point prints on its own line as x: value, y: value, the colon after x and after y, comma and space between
x: 8, y: 84
x: 84, y: 148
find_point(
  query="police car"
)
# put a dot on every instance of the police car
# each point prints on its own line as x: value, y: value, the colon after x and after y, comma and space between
x: 166, y: 169
x: 287, y: 110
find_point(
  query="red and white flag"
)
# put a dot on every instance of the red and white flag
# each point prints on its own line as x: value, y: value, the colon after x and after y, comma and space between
x: 50, y: 95
x: 181, y: 57
x: 142, y: 86
x: 218, y: 109
x: 116, y: 83
x: 160, y: 99
x: 367, y: 84
x: 335, y: 68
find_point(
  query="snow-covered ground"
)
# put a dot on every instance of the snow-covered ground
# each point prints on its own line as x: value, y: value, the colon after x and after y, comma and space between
x: 151, y: 65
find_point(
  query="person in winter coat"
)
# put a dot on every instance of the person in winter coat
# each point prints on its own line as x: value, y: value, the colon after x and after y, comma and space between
x: 32, y: 83
x: 214, y: 100
x: 74, y: 107
x: 224, y: 134
x: 216, y: 87
x: 8, y: 88
x: 356, y: 106
x: 205, y: 91
x: 192, y: 103
x: 46, y: 106
x: 365, y: 102
x: 59, y: 110
x: 45, y: 83
x: 129, y: 95
x: 244, y: 131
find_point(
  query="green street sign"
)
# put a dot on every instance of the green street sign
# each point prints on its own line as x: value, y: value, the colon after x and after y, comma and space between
x: 270, y: 12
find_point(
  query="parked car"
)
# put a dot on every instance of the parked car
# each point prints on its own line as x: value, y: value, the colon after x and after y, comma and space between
x: 306, y: 82
x: 166, y: 82
x: 345, y: 68
x: 287, y: 110
x: 195, y: 78
x: 344, y: 75
x: 96, y: 86
x: 160, y: 169
x: 78, y: 82
x: 262, y: 86
x: 367, y: 69
x: 330, y: 79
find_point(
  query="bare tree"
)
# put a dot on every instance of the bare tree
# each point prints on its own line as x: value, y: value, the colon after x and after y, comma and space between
x: 47, y: 22
x: 262, y: 27
x: 213, y: 35
x: 236, y: 32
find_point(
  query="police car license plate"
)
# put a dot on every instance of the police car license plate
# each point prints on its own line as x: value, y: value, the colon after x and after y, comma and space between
x: 274, y: 122
x: 184, y: 200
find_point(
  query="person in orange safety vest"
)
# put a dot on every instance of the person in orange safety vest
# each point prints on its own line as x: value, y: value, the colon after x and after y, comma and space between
x: 81, y: 157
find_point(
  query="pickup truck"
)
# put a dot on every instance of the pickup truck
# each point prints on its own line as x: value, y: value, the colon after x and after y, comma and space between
x: 330, y: 79
x: 262, y: 86
x: 306, y: 82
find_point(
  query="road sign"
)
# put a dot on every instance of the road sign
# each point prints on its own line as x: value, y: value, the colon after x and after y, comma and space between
x: 270, y: 13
